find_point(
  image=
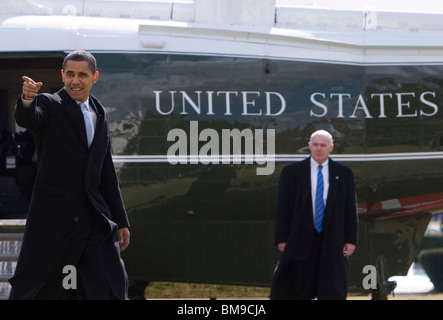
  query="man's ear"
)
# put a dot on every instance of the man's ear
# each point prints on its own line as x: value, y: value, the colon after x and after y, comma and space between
x: 96, y: 74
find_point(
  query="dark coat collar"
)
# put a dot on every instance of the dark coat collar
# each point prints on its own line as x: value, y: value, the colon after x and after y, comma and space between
x: 76, y: 116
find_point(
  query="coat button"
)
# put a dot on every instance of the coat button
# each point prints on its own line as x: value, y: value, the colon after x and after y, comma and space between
x: 76, y: 219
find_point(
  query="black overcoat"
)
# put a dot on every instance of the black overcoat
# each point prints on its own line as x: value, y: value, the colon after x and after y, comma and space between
x: 294, y: 225
x: 69, y: 174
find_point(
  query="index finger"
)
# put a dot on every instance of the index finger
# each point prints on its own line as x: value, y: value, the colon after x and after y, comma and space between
x: 28, y: 80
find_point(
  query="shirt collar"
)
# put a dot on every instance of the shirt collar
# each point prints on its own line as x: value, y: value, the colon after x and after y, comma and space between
x: 315, y: 164
x: 86, y: 103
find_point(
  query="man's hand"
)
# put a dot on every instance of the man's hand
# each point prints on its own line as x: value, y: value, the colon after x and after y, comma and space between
x: 123, y: 238
x: 30, y: 88
x: 281, y: 246
x: 348, y: 249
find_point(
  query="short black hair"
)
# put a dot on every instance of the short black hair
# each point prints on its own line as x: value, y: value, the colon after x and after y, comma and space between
x: 81, y: 55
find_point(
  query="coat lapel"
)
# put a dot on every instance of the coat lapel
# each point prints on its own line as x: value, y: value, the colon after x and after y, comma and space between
x: 334, y: 181
x: 75, y: 114
x: 99, y: 111
x: 307, y: 195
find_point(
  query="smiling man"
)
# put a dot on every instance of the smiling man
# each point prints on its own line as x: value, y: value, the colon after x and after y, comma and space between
x: 76, y: 217
x: 315, y: 225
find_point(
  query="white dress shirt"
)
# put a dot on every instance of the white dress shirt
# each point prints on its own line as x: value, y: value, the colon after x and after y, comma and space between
x: 314, y: 172
x: 90, y: 114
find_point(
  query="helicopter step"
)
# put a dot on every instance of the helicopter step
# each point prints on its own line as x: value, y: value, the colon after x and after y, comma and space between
x: 10, y: 245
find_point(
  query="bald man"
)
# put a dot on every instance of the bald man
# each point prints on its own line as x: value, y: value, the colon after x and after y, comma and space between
x: 316, y: 226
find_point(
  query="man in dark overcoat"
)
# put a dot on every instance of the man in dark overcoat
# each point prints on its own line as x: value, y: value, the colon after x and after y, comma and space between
x: 314, y: 260
x: 77, y: 224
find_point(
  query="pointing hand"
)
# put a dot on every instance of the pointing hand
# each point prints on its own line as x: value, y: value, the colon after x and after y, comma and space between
x: 30, y: 88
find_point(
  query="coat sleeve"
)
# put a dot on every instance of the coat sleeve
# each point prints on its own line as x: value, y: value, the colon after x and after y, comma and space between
x: 284, y: 206
x: 351, y: 217
x: 110, y: 190
x: 31, y: 117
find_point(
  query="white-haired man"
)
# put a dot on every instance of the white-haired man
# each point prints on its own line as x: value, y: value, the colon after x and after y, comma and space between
x: 316, y: 225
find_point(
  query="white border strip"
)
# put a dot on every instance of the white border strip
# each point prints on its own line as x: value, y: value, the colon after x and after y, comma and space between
x: 277, y: 158
x: 12, y: 222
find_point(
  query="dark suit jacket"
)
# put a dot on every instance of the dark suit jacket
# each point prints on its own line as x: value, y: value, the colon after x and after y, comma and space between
x: 294, y: 225
x: 69, y: 175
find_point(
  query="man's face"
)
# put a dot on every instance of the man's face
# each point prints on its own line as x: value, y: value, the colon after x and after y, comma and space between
x: 78, y: 79
x: 320, y: 147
